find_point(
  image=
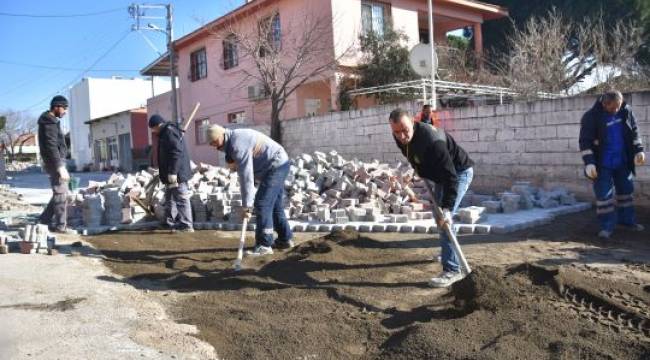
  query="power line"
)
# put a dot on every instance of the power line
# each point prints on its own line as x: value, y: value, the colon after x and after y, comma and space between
x: 62, y: 16
x: 89, y: 68
x: 97, y: 39
x: 60, y: 68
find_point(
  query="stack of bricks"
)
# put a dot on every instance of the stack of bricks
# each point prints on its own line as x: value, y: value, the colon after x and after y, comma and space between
x: 4, y: 245
x: 34, y: 239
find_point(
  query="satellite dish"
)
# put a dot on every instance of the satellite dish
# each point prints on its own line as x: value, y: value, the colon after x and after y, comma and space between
x: 420, y: 60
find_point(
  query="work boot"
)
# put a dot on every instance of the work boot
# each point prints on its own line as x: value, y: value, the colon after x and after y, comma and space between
x: 260, y: 250
x: 184, y: 230
x: 284, y: 245
x: 605, y: 234
x: 446, y: 279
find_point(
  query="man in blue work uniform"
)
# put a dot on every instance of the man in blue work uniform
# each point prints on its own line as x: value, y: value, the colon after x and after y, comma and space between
x: 611, y: 148
x: 258, y: 157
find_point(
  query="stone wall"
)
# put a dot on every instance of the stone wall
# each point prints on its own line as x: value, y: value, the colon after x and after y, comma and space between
x: 534, y: 141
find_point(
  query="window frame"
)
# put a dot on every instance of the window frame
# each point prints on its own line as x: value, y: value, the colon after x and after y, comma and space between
x: 230, y: 52
x: 386, y: 17
x: 198, y: 64
x: 271, y: 28
x: 234, y: 115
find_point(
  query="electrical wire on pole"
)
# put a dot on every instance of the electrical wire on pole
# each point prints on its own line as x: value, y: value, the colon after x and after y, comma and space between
x: 96, y: 13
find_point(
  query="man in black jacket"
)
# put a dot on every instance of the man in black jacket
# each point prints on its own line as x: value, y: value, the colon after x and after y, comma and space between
x: 437, y: 158
x: 174, y: 166
x: 53, y: 150
x: 611, y: 148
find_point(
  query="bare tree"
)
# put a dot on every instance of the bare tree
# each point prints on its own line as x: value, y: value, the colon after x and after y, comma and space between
x: 14, y: 134
x: 552, y: 54
x: 280, y: 61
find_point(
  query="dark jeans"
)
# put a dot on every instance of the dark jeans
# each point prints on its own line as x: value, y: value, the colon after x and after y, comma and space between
x: 610, y: 211
x: 448, y: 256
x: 269, y: 209
x: 178, y: 211
x: 55, y: 214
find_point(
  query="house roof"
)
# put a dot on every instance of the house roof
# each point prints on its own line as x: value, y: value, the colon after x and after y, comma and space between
x: 130, y: 111
x: 160, y: 66
x: 488, y: 11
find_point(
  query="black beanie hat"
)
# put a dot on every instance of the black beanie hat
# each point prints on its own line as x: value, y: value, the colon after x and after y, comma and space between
x: 59, y: 100
x: 155, y: 120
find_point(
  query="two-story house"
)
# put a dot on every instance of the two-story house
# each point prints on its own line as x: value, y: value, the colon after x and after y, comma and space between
x: 211, y: 70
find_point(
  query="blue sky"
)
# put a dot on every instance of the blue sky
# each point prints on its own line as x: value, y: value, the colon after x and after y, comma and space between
x: 71, y: 45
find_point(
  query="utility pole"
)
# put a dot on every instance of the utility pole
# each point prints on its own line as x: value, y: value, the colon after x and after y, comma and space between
x: 137, y: 12
x: 434, y: 98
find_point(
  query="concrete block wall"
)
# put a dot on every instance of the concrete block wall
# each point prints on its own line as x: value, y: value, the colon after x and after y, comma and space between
x: 534, y: 141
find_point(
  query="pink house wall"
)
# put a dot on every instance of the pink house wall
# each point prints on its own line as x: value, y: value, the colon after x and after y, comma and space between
x: 226, y: 91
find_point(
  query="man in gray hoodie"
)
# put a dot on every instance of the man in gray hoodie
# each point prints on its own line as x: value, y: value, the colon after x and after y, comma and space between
x: 53, y: 149
x: 258, y: 157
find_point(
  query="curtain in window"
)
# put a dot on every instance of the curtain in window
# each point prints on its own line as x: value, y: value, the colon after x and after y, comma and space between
x: 366, y: 18
x: 378, y: 19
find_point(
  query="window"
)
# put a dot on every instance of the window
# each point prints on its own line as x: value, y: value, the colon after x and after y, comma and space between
x: 237, y: 118
x: 230, y: 55
x: 111, y: 143
x: 374, y: 17
x: 271, y: 30
x: 198, y: 65
x: 201, y: 131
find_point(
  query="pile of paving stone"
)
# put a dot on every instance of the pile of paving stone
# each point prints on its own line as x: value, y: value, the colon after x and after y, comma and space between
x: 321, y: 187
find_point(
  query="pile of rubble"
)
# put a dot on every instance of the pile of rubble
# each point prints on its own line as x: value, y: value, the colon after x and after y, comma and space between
x: 16, y: 166
x: 323, y: 188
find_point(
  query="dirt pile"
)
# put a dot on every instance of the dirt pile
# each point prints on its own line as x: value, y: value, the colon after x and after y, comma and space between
x: 346, y: 296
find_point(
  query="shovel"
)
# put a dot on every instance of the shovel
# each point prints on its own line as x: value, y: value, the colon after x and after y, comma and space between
x: 437, y: 213
x: 242, y: 241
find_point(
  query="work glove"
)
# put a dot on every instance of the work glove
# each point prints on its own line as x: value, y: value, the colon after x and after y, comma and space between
x: 639, y: 159
x: 246, y: 213
x: 63, y: 173
x: 172, y: 181
x: 591, y: 172
x: 446, y: 219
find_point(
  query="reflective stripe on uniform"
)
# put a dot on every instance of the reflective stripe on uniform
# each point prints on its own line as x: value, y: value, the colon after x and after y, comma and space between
x: 607, y: 202
x: 605, y: 210
x: 624, y: 197
x: 637, y: 142
x: 268, y: 231
x: 587, y: 152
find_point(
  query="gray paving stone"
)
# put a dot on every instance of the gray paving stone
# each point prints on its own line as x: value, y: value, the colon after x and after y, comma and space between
x: 465, y: 229
x: 421, y: 229
x: 312, y: 228
x: 365, y: 228
x: 379, y: 228
x: 482, y: 229
x: 406, y: 228
x: 392, y: 228
x: 325, y: 228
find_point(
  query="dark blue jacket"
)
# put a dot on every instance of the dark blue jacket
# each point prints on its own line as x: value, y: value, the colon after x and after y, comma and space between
x: 173, y: 157
x: 51, y: 142
x: 593, y: 135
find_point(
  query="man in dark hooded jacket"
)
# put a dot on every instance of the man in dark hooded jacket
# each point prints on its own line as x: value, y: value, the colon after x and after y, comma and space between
x: 174, y: 166
x: 53, y: 150
x: 611, y: 148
